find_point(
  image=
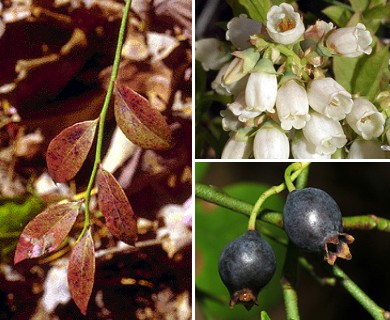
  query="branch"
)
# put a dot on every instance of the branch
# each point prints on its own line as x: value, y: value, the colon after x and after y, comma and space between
x: 372, y: 308
x: 212, y: 195
x: 368, y: 222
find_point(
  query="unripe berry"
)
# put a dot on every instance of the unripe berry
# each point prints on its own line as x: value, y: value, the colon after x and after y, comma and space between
x: 246, y: 265
x: 312, y: 221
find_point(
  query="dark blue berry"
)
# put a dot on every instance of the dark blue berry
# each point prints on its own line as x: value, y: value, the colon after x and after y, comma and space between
x: 246, y: 265
x: 313, y: 221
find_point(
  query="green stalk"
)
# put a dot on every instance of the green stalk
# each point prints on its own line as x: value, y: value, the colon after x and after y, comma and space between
x: 102, y: 116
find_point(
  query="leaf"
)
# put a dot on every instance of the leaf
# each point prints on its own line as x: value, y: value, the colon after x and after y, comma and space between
x: 81, y: 271
x: 264, y: 315
x: 369, y: 73
x: 69, y: 149
x: 339, y: 15
x: 115, y: 206
x: 359, y: 5
x: 140, y: 123
x: 344, y: 69
x: 46, y: 231
x: 257, y: 9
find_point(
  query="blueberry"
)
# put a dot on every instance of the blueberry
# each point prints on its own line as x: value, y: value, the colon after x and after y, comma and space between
x: 246, y: 265
x: 313, y: 221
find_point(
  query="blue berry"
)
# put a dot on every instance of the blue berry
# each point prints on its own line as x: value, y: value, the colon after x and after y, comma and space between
x: 246, y: 265
x: 313, y: 221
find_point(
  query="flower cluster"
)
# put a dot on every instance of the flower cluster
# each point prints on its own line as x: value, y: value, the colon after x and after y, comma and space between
x: 283, y: 102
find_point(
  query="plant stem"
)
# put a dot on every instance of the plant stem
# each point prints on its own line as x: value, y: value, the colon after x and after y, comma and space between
x: 298, y: 168
x: 288, y: 281
x: 372, y: 308
x: 212, y: 195
x: 367, y: 222
x: 102, y: 116
x: 329, y: 281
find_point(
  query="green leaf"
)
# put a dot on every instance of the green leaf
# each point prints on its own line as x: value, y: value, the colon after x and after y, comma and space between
x: 344, y: 70
x: 257, y: 9
x: 264, y: 316
x: 215, y: 227
x: 359, y: 5
x: 338, y: 15
x: 369, y: 73
x: 377, y: 13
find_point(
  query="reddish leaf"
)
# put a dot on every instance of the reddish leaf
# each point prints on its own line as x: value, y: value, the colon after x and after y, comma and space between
x: 46, y: 231
x: 116, y: 208
x: 140, y: 123
x: 81, y: 271
x: 69, y: 149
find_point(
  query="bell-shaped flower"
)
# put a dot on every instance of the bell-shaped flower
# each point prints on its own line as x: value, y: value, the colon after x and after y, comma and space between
x: 284, y: 25
x: 350, y: 42
x: 226, y: 90
x: 238, y: 108
x: 365, y: 119
x: 325, y: 133
x: 230, y: 121
x: 241, y: 65
x: 262, y: 88
x: 301, y: 148
x: 239, y: 30
x: 366, y: 149
x: 211, y: 53
x: 292, y: 105
x: 328, y: 97
x: 237, y: 149
x: 271, y: 143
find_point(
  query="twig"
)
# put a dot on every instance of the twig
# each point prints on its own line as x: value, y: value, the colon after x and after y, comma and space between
x: 367, y: 222
x: 329, y: 281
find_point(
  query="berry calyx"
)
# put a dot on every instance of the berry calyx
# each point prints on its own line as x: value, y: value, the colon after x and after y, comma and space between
x: 246, y: 265
x: 313, y: 221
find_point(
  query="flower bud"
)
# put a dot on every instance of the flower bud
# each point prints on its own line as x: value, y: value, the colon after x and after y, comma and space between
x: 327, y: 97
x: 365, y: 119
x: 292, y: 105
x: 366, y: 149
x: 284, y: 25
x: 326, y: 134
x: 239, y: 30
x: 212, y: 53
x: 301, y: 148
x: 350, y: 42
x: 271, y: 143
x: 262, y: 88
x: 235, y: 149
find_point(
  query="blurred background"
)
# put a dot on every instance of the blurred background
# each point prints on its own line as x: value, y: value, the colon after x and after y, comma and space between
x: 358, y: 188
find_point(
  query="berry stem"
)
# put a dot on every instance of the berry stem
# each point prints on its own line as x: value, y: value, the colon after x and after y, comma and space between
x: 329, y: 281
x: 212, y: 195
x: 102, y: 117
x: 368, y: 222
x: 289, y: 177
x: 372, y: 308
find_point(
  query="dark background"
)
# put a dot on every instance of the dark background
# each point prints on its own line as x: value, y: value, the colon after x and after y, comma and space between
x: 359, y: 189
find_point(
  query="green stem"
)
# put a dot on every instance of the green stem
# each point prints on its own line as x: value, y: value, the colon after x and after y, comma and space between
x: 102, y: 116
x: 372, y: 308
x: 288, y: 281
x: 212, y: 195
x: 367, y: 222
x: 329, y: 281
x: 298, y: 167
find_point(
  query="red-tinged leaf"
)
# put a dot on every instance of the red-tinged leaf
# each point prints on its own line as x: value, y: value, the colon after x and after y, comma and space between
x: 46, y: 231
x: 69, y: 149
x: 81, y: 271
x: 141, y: 124
x: 115, y: 206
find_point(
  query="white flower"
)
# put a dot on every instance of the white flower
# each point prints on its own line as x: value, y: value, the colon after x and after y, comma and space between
x: 226, y: 90
x: 326, y: 96
x: 292, y: 105
x: 235, y: 149
x: 284, y: 25
x: 326, y: 134
x: 317, y: 31
x: 212, y: 53
x: 365, y: 119
x: 271, y: 143
x: 261, y: 91
x: 350, y: 41
x: 240, y: 29
x: 366, y: 149
x: 235, y: 71
x: 301, y: 148
x: 230, y: 121
x: 238, y: 108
